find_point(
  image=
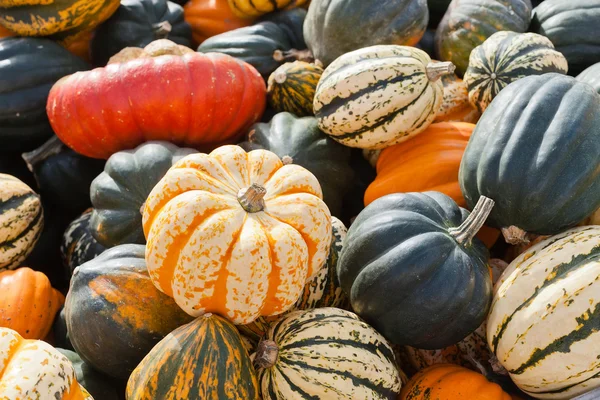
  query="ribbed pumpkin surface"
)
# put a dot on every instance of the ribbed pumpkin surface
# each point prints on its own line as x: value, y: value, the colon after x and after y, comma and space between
x: 591, y: 76
x: 544, y: 321
x: 292, y: 86
x: 255, y: 8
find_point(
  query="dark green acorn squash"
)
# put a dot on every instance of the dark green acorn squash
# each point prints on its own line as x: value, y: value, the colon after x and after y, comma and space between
x: 28, y: 69
x: 78, y: 245
x: 119, y: 192
x: 59, y: 331
x: 336, y: 27
x: 591, y: 76
x: 292, y: 23
x: 115, y: 314
x: 468, y: 23
x: 574, y: 28
x: 535, y: 152
x: 137, y: 23
x: 300, y: 141
x: 414, y: 271
x: 364, y: 175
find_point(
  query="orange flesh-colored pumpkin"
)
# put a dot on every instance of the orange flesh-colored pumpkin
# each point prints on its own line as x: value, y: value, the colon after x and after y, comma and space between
x: 211, y: 17
x: 81, y: 47
x: 451, y: 382
x: 28, y: 302
x: 5, y: 32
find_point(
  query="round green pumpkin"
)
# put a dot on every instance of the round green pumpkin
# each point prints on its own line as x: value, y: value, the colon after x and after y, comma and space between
x: 535, y: 152
x: 414, y: 271
x: 591, y: 76
x: 78, y: 245
x: 119, y: 193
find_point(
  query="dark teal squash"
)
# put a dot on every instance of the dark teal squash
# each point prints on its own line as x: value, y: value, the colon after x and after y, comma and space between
x: 412, y: 275
x: 137, y: 23
x: 535, y: 152
x: 591, y: 76
x: 59, y: 331
x: 292, y: 23
x: 574, y: 29
x: 28, y: 69
x: 300, y: 141
x: 78, y: 245
x: 364, y: 174
x: 336, y: 27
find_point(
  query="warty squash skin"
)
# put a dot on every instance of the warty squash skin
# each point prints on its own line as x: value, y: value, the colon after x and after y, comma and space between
x: 256, y: 228
x: 211, y: 17
x: 378, y: 96
x: 204, y: 359
x: 256, y: 8
x: 291, y: 88
x: 591, y: 76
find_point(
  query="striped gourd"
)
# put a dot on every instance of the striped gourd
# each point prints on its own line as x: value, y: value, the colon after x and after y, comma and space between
x: 506, y: 57
x: 378, y: 96
x: 292, y: 86
x: 544, y: 323
x: 455, y: 103
x: 256, y: 8
x: 325, y: 353
x: 21, y: 221
x: 204, y: 359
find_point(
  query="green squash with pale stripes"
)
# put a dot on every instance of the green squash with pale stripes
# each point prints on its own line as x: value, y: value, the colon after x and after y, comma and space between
x: 21, y: 221
x: 378, y: 96
x: 325, y: 353
x: 544, y: 323
x: 506, y: 57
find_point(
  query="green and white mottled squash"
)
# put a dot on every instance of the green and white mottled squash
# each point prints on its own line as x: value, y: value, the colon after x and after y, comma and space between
x: 326, y: 353
x: 544, y: 321
x: 506, y: 57
x: 591, y: 76
x: 379, y: 96
x: 292, y: 86
x: 78, y: 245
x: 21, y: 221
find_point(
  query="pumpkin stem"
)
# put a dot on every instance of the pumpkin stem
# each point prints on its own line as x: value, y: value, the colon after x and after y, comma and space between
x: 266, y: 354
x: 515, y: 235
x: 280, y: 77
x: 51, y: 147
x: 251, y: 198
x: 436, y: 70
x: 287, y: 160
x: 469, y: 228
x: 162, y: 29
x: 293, y: 55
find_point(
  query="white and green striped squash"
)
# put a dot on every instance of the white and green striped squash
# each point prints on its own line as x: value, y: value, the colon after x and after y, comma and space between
x: 378, y: 96
x: 506, y: 57
x: 21, y: 221
x: 544, y: 323
x: 325, y: 353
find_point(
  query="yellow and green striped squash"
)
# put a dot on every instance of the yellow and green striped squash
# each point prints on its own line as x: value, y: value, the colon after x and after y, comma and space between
x: 256, y: 8
x: 21, y: 221
x: 544, y: 322
x: 378, y: 96
x: 205, y: 359
x: 325, y: 353
x: 292, y: 86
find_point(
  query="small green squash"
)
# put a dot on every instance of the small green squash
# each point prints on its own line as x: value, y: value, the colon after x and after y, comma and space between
x: 591, y: 76
x: 78, y: 245
x: 292, y: 86
x: 506, y: 57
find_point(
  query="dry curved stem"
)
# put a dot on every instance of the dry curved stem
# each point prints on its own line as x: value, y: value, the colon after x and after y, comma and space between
x: 293, y: 55
x: 266, y: 354
x: 162, y: 29
x: 251, y: 198
x: 436, y: 70
x: 469, y: 228
x: 514, y: 235
x: 52, y: 147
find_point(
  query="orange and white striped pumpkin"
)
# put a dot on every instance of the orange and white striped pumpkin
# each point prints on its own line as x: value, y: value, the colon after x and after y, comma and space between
x: 236, y: 234
x: 32, y: 369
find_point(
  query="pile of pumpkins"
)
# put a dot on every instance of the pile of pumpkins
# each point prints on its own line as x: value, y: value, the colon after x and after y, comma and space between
x: 295, y: 199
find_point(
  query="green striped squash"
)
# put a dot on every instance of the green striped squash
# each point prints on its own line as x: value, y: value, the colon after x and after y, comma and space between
x: 379, y: 96
x: 21, y: 221
x: 204, y: 359
x: 292, y: 86
x: 506, y: 57
x: 325, y: 353
x: 544, y: 323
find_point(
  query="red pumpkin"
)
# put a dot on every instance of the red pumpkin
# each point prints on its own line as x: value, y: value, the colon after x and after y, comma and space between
x: 193, y: 100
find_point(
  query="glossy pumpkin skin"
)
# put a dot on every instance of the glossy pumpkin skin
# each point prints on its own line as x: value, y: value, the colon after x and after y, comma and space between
x: 137, y: 23
x: 122, y: 105
x: 455, y: 103
x: 270, y: 247
x: 63, y: 21
x: 543, y: 320
x: 506, y: 57
x: 301, y: 140
x: 34, y: 369
x: 119, y: 193
x: 256, y: 8
x: 78, y: 245
x: 60, y: 333
x: 536, y: 197
x: 468, y: 23
x: 291, y: 88
x: 291, y: 21
x: 112, y: 304
x: 28, y: 302
x: 336, y: 27
x: 451, y: 382
x: 211, y: 17
x: 5, y: 32
x: 21, y: 221
x: 591, y: 76
x: 204, y: 359
x: 392, y: 239
x: 23, y: 120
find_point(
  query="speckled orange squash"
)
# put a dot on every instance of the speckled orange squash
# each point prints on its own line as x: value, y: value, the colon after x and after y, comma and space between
x: 211, y: 17
x: 455, y: 103
x: 32, y: 369
x: 236, y: 234
x: 28, y: 302
x: 451, y: 382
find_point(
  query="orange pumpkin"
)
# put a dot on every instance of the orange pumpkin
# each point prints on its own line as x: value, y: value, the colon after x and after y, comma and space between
x: 81, y: 47
x: 211, y: 17
x: 28, y: 302
x: 451, y: 382
x: 5, y: 32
